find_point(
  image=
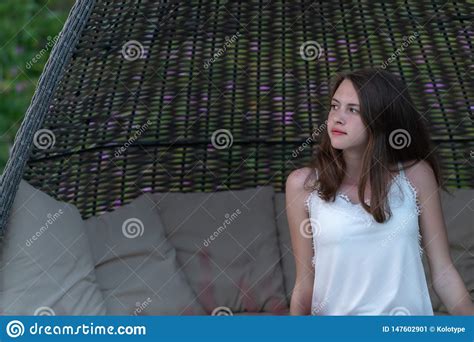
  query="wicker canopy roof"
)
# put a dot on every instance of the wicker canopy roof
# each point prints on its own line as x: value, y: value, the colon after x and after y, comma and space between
x: 152, y: 96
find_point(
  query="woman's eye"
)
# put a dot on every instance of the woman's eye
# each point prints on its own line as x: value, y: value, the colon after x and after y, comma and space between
x: 333, y: 106
x: 353, y: 110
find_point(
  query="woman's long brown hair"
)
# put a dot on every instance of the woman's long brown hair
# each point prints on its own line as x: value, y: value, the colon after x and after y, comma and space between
x: 392, y: 121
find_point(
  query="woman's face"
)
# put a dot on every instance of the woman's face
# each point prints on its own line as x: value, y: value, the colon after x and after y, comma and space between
x: 345, y: 127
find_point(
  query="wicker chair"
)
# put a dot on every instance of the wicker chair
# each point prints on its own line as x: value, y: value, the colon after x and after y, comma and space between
x: 210, y: 95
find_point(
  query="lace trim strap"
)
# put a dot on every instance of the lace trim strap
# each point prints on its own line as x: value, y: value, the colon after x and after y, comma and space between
x: 400, y: 169
x: 307, y: 203
x: 414, y: 194
x: 420, y: 245
x: 413, y: 191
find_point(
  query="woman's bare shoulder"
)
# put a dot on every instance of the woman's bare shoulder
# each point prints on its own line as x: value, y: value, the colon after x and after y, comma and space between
x: 421, y: 175
x: 298, y: 179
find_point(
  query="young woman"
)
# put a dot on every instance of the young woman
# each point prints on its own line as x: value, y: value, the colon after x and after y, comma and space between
x: 356, y: 213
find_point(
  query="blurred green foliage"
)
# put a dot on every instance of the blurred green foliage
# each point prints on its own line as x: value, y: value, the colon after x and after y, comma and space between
x: 27, y: 31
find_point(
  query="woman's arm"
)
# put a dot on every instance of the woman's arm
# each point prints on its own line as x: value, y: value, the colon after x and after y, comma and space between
x: 302, y: 246
x: 447, y: 282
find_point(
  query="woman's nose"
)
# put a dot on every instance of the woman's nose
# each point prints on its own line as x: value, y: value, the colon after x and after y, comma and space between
x: 337, y: 117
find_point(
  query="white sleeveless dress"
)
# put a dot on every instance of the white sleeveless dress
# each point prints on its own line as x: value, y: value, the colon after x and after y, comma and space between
x: 363, y: 267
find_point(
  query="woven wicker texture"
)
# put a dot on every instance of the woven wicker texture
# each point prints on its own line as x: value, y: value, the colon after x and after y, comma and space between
x: 214, y: 95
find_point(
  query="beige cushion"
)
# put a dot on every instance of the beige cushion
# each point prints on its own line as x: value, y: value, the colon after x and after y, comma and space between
x: 458, y: 210
x: 136, y: 266
x: 226, y: 242
x: 284, y: 241
x: 46, y: 266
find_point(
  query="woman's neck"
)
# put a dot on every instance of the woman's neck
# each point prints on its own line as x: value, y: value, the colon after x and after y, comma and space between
x: 353, y: 162
x: 353, y: 172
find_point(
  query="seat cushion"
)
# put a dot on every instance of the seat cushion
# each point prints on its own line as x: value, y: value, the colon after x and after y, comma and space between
x: 46, y: 265
x: 284, y: 241
x: 227, y: 244
x: 136, y: 266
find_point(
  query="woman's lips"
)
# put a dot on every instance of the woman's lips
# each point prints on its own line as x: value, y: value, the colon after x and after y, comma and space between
x: 335, y: 132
